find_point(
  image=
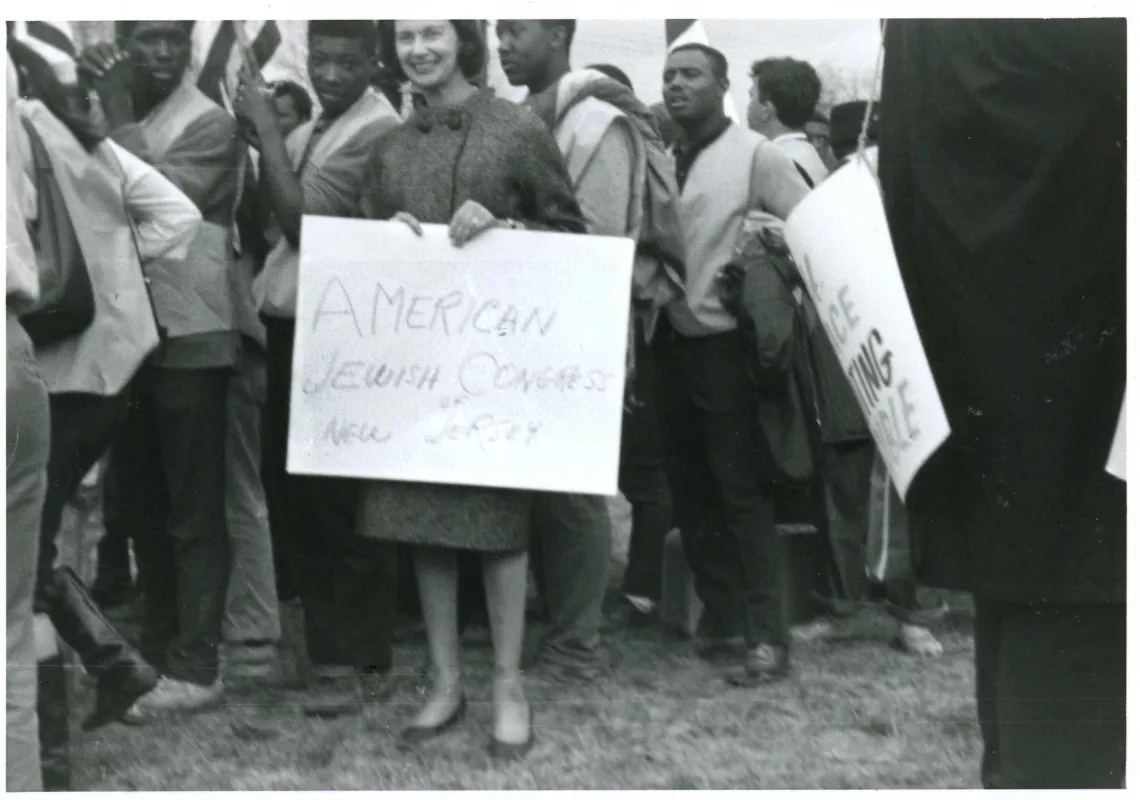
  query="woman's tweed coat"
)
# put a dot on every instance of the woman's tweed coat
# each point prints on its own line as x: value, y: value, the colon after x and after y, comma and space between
x: 500, y: 155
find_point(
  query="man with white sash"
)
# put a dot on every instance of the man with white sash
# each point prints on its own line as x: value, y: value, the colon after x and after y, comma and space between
x: 346, y: 582
x: 166, y: 483
x: 594, y: 120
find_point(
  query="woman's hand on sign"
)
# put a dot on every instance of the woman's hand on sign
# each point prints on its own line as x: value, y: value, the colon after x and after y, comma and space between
x: 471, y: 220
x: 410, y: 221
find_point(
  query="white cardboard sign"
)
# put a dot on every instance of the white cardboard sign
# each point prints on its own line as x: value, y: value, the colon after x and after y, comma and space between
x: 501, y: 363
x: 838, y: 236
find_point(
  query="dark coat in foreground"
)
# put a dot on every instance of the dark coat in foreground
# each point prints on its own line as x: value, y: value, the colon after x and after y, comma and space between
x: 1003, y: 170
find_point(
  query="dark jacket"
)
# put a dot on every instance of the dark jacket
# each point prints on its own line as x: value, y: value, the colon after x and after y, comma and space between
x: 1003, y: 170
x: 804, y: 400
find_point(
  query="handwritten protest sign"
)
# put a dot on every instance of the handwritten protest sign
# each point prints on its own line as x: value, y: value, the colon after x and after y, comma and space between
x: 838, y: 236
x: 498, y: 364
x: 1116, y: 459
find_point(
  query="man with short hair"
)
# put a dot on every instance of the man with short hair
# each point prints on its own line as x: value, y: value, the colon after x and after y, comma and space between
x: 721, y: 468
x: 571, y: 533
x: 292, y: 105
x: 166, y: 482
x: 782, y: 100
x: 346, y: 582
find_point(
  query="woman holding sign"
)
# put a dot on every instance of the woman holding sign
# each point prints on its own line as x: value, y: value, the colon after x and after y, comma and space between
x: 474, y: 162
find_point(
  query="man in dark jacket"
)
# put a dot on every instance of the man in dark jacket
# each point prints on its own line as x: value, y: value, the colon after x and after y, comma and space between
x: 1003, y: 173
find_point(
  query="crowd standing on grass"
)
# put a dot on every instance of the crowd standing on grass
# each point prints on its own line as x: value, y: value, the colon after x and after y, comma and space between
x: 152, y: 266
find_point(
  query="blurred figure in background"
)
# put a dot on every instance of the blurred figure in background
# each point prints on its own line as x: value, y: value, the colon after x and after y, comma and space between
x: 292, y: 105
x: 818, y: 130
x: 1003, y: 173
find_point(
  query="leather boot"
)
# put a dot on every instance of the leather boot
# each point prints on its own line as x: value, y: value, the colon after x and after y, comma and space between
x: 55, y: 730
x: 121, y: 674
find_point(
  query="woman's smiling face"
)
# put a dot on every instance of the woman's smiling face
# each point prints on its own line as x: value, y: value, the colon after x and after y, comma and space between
x: 428, y: 50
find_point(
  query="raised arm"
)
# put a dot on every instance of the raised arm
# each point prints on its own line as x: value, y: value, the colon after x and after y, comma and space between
x: 165, y: 220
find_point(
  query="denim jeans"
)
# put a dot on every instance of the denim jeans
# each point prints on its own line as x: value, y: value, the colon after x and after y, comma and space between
x: 251, y: 599
x: 29, y: 433
x: 166, y: 486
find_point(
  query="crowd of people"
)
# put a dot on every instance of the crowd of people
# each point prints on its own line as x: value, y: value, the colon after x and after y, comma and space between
x: 158, y: 233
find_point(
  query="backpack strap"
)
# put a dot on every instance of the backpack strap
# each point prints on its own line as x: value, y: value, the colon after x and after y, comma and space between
x: 804, y: 174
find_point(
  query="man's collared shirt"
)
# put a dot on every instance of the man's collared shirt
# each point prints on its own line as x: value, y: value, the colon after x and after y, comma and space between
x: 686, y: 152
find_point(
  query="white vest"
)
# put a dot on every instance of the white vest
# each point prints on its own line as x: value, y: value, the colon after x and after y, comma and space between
x: 713, y: 205
x: 103, y: 358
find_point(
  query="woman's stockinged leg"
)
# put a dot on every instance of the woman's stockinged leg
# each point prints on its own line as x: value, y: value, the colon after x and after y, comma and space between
x: 505, y: 576
x: 437, y: 579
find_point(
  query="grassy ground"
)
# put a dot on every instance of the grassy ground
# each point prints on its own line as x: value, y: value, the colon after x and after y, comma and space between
x: 856, y: 714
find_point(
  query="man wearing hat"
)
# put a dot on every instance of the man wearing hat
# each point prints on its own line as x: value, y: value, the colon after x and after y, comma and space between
x: 847, y: 122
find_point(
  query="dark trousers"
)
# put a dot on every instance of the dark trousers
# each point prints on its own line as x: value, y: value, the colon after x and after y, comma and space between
x: 82, y: 429
x: 166, y: 490
x: 843, y: 488
x: 641, y: 475
x: 570, y: 547
x: 113, y: 567
x: 1051, y: 695
x: 347, y: 583
x: 720, y: 476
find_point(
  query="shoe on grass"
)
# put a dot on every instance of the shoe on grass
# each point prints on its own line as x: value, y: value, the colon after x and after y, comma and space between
x: 764, y: 664
x: 174, y: 696
x: 917, y: 641
x: 813, y: 631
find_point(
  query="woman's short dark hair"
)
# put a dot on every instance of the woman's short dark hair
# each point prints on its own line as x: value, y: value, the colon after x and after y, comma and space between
x: 792, y: 86
x: 472, y: 48
x: 302, y: 103
x: 362, y: 30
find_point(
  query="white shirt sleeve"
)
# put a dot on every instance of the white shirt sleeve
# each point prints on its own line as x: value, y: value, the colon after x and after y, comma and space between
x: 19, y: 257
x: 166, y: 221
